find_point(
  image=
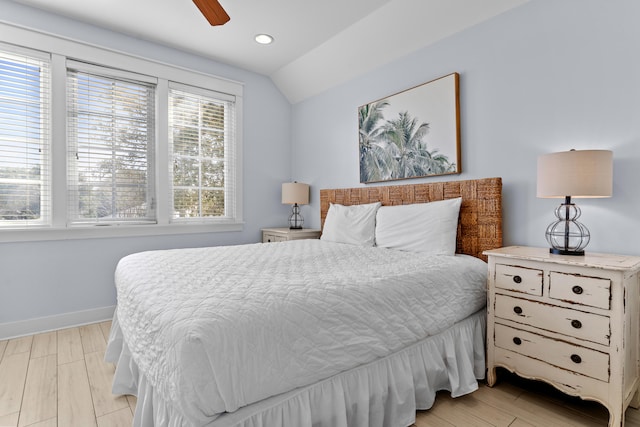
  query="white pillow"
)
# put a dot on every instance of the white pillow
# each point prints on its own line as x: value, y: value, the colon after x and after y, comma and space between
x: 421, y: 227
x: 354, y: 224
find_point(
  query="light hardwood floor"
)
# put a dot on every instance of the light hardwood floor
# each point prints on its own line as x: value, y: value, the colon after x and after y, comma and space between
x: 59, y: 379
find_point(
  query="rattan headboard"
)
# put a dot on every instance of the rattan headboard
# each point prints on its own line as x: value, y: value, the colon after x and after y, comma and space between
x: 480, y: 221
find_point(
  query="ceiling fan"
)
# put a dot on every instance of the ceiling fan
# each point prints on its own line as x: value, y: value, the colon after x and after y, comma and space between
x: 212, y: 10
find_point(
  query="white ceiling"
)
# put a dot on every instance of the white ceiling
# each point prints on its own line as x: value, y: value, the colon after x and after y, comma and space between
x: 318, y: 43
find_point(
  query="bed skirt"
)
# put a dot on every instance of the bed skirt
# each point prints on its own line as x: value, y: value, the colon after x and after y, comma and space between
x: 385, y: 393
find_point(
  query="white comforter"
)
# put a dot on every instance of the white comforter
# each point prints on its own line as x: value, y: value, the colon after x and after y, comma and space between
x: 214, y: 329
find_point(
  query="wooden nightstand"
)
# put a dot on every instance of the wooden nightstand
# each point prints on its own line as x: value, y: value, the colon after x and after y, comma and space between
x: 572, y: 321
x: 284, y: 234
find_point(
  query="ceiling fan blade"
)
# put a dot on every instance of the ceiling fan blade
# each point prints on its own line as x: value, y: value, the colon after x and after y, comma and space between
x: 212, y: 10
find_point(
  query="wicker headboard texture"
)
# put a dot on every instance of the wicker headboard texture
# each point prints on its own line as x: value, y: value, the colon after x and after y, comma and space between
x: 480, y: 221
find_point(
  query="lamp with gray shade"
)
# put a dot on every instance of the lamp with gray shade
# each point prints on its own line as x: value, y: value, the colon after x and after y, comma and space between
x: 577, y: 174
x: 295, y: 193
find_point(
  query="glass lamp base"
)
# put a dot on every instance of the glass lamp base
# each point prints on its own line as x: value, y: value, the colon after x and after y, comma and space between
x: 295, y: 219
x: 567, y: 236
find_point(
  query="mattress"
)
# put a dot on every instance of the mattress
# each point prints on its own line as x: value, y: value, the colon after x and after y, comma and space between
x: 213, y: 330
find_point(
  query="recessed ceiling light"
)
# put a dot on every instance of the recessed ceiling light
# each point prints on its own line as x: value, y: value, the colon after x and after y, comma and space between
x: 264, y: 39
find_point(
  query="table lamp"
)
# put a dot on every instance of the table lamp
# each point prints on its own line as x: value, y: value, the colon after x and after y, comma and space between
x: 577, y: 174
x: 295, y: 193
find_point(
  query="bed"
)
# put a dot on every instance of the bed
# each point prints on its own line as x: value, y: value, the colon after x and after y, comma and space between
x: 311, y: 332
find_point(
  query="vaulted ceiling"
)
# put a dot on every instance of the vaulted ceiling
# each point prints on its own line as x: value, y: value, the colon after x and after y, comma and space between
x: 318, y: 44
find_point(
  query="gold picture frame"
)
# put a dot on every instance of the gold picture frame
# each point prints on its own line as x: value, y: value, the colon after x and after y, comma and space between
x: 411, y: 134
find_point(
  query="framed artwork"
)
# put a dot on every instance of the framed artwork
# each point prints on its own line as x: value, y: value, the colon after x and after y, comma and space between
x: 411, y: 134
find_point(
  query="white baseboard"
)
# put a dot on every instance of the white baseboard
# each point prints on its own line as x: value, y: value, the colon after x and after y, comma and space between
x: 52, y: 323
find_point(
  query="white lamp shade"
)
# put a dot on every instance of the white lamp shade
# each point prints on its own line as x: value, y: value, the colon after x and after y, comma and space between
x: 295, y: 192
x: 575, y: 173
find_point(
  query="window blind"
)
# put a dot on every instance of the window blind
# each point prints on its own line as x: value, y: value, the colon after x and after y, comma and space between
x: 24, y: 138
x: 111, y: 122
x: 202, y: 154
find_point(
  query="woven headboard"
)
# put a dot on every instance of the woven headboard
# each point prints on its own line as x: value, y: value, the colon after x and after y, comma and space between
x: 480, y: 221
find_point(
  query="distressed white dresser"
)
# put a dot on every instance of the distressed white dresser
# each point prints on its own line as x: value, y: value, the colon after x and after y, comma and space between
x: 572, y: 321
x: 270, y: 235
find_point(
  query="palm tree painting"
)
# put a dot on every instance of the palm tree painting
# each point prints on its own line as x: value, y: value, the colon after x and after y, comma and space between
x: 415, y: 133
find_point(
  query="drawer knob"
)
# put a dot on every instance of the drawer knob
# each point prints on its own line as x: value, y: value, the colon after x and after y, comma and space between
x: 517, y: 279
x: 517, y: 341
x: 576, y: 324
x: 576, y: 359
x: 517, y: 310
x: 577, y: 290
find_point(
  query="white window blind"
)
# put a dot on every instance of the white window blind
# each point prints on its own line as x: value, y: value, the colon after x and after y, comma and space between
x: 202, y: 154
x: 111, y: 122
x: 24, y: 138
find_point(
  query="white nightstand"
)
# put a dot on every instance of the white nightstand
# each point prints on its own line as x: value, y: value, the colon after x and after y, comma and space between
x: 572, y: 321
x: 284, y: 234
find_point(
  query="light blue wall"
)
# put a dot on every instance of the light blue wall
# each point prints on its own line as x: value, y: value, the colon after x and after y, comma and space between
x: 548, y: 76
x: 51, y: 278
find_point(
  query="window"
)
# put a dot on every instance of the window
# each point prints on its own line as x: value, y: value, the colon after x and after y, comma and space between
x: 24, y: 138
x: 201, y: 138
x: 92, y: 137
x: 111, y: 145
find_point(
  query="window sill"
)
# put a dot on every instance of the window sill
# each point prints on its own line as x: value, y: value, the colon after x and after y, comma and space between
x: 97, y: 232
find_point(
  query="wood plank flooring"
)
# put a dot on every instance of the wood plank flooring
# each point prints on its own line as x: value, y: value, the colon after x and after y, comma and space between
x: 59, y: 379
x: 516, y: 402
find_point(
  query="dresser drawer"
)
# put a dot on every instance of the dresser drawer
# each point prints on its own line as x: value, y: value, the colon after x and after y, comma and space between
x: 281, y: 234
x: 519, y: 279
x: 591, y: 291
x: 564, y: 355
x: 270, y: 238
x: 574, y: 323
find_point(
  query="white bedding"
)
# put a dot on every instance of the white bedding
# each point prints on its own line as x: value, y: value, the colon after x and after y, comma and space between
x: 215, y: 329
